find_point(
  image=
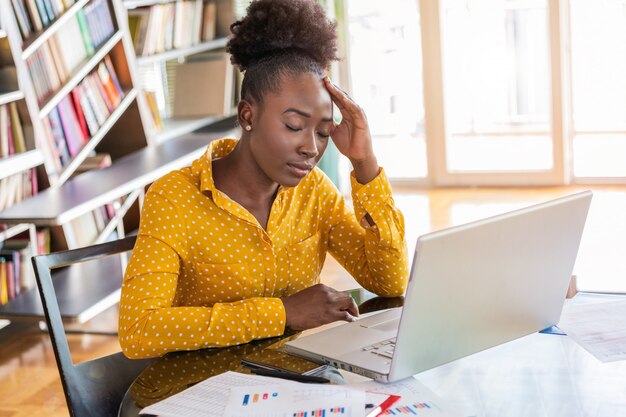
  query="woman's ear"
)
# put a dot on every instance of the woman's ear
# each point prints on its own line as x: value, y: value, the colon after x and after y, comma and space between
x: 245, y: 114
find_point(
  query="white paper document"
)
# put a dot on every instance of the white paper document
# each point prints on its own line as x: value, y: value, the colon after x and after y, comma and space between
x: 600, y: 328
x: 296, y: 400
x: 208, y: 398
x: 416, y: 399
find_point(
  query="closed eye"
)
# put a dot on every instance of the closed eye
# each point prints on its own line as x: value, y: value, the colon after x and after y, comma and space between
x: 324, y: 135
x: 293, y: 129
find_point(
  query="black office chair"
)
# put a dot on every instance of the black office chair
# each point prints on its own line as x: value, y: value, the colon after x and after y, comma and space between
x: 94, y: 388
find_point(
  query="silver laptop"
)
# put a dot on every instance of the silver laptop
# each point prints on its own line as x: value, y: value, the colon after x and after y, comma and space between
x: 471, y: 287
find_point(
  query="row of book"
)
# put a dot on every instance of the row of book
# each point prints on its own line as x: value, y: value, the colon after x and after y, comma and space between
x: 88, y: 226
x: 35, y: 15
x: 17, y: 187
x: 55, y: 61
x: 11, y: 133
x: 80, y: 114
x: 16, y: 273
x: 162, y: 27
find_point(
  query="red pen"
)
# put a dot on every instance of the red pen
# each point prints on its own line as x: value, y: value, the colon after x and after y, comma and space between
x: 384, y: 406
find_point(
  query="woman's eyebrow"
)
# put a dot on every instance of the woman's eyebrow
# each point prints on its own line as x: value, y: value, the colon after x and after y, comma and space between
x: 305, y: 114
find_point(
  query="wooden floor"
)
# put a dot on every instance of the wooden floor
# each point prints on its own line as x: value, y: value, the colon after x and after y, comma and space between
x: 29, y: 382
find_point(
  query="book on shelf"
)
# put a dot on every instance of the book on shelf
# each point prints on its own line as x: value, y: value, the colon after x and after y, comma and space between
x: 209, y: 21
x: 154, y: 109
x: 22, y: 17
x: 204, y: 87
x: 15, y: 254
x: 17, y: 187
x: 161, y: 27
x: 54, y: 131
x: 12, y: 139
x: 16, y: 275
x: 99, y: 21
x: 91, y: 162
x: 88, y: 226
x: 71, y: 128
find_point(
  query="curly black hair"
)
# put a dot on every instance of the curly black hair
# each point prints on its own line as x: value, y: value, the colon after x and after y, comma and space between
x: 281, y: 37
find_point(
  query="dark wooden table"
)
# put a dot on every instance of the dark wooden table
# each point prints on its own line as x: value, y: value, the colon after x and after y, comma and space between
x: 177, y: 371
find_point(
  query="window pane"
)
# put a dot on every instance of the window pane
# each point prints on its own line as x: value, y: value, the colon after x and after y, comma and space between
x: 386, y: 71
x: 598, y: 84
x: 599, y: 155
x: 497, y: 85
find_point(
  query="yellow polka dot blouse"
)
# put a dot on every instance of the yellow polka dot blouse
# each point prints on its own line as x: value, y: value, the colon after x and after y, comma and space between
x: 204, y: 273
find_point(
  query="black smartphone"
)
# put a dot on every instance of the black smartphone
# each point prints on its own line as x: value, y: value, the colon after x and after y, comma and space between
x: 280, y: 361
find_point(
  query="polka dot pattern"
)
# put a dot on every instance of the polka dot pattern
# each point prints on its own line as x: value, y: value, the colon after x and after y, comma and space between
x: 204, y: 273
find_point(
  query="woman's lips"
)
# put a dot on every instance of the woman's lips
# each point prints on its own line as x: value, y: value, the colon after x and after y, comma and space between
x: 299, y: 169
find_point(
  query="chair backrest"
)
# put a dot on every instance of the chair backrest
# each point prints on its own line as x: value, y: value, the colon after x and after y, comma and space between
x: 94, y: 388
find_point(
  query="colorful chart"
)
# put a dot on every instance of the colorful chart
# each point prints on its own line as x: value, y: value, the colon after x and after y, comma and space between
x: 256, y: 397
x: 322, y: 412
x: 412, y: 409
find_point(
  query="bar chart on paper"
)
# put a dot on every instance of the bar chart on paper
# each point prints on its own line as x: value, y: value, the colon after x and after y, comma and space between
x: 415, y: 409
x: 295, y: 400
x: 415, y: 399
x: 256, y: 397
x: 321, y: 412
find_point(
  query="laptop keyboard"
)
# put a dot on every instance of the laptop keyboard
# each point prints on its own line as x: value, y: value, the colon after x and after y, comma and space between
x: 384, y: 348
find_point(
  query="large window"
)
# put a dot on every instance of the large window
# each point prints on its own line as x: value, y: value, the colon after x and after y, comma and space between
x: 598, y: 31
x: 493, y: 92
x: 496, y: 85
x: 386, y: 73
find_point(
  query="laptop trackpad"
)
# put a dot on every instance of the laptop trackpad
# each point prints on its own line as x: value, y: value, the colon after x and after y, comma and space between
x: 385, y: 325
x: 385, y: 321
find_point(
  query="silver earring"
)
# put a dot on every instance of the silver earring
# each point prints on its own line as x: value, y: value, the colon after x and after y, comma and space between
x: 248, y: 128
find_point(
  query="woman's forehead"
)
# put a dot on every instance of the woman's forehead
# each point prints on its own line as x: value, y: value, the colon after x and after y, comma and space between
x: 304, y: 91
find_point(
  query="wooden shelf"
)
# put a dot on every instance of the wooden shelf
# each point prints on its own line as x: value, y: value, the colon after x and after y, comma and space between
x: 38, y: 39
x: 97, y: 137
x: 173, y: 128
x: 14, y: 231
x: 20, y: 162
x: 80, y: 74
x: 88, y: 191
x: 83, y: 291
x: 133, y: 4
x: 182, y: 52
x: 10, y: 96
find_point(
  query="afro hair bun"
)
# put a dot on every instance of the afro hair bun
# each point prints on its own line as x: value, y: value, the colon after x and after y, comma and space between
x: 277, y: 26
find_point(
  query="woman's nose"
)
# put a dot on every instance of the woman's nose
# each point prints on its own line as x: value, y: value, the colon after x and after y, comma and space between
x: 309, y: 148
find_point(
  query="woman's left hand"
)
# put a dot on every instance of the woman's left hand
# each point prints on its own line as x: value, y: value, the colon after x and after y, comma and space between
x: 352, y: 136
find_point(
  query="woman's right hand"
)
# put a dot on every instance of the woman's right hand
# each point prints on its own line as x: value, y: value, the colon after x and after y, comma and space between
x: 318, y: 305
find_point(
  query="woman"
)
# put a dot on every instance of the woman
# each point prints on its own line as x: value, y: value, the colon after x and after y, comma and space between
x: 230, y: 248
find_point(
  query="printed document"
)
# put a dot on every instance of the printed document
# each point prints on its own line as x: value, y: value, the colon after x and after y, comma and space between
x: 600, y: 328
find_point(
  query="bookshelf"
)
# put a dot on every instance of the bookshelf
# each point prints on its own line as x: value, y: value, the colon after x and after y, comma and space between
x: 19, y: 161
x: 85, y: 290
x: 9, y: 96
x: 78, y: 61
x: 79, y: 94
